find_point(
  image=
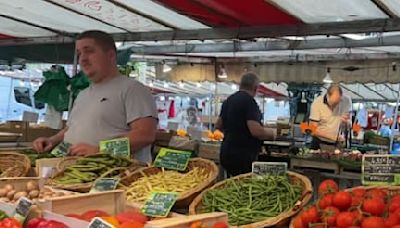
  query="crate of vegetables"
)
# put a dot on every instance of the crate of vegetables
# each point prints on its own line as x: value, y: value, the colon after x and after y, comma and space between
x: 256, y: 201
x: 199, y: 175
x: 364, y: 207
x: 79, y: 173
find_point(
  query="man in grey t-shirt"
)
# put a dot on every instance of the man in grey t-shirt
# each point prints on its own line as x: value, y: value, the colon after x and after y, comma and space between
x: 112, y: 106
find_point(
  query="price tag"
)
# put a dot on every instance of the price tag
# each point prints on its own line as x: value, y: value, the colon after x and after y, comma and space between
x: 22, y: 209
x: 159, y: 204
x: 269, y: 168
x: 105, y: 184
x: 117, y: 147
x: 172, y: 159
x: 61, y: 150
x: 100, y: 223
x: 47, y: 172
x: 380, y: 170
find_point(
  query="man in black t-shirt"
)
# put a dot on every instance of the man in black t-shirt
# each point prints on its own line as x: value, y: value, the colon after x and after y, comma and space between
x: 240, y: 120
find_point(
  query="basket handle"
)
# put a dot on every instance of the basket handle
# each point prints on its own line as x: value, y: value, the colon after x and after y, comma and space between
x: 300, y: 202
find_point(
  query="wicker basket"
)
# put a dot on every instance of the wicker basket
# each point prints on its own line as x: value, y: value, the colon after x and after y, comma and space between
x: 185, y: 198
x: 14, y: 164
x: 280, y: 221
x: 392, y: 190
x: 85, y: 187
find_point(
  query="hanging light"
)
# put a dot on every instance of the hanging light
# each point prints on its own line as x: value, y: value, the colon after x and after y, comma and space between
x: 234, y: 87
x: 222, y: 72
x: 198, y: 84
x: 181, y: 84
x: 328, y: 79
x: 162, y: 98
x: 151, y: 84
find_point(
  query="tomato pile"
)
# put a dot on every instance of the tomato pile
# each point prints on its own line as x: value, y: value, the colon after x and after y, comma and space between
x: 358, y: 208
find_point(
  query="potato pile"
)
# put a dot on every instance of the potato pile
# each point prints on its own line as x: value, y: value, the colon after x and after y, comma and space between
x: 9, y: 194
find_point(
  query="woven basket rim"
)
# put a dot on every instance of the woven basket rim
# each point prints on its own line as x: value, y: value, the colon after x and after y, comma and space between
x: 184, y: 195
x: 306, y: 197
x: 26, y: 161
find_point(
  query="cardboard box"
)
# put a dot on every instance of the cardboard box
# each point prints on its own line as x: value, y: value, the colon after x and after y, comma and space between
x: 210, y: 151
x: 47, y: 167
x: 34, y: 133
x: 18, y: 127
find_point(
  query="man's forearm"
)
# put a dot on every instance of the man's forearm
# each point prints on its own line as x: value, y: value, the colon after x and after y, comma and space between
x: 59, y: 137
x: 139, y: 139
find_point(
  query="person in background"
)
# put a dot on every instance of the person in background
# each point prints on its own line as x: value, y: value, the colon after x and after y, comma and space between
x: 240, y: 120
x: 330, y: 113
x: 112, y: 106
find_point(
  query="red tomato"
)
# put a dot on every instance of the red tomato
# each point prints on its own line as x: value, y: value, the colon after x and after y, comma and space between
x: 52, y: 224
x: 392, y: 220
x: 298, y: 223
x: 374, y: 206
x: 376, y: 193
x: 325, y: 201
x: 75, y: 216
x: 373, y: 222
x: 360, y: 192
x: 34, y: 223
x: 131, y: 216
x: 328, y: 186
x: 395, y: 198
x: 342, y: 200
x: 10, y: 223
x: 310, y: 216
x: 89, y: 215
x: 396, y: 226
x: 345, y: 219
x: 356, y: 201
x: 220, y: 225
x: 329, y: 216
x: 394, y: 205
x: 131, y: 225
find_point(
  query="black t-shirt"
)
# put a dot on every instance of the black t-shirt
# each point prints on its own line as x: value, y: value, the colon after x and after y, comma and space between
x: 236, y: 111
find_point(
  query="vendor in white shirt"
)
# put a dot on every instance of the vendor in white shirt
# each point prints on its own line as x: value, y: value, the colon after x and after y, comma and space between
x: 328, y: 113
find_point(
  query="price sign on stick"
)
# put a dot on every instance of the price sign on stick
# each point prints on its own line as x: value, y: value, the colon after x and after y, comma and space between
x: 61, y: 150
x: 172, y: 159
x: 22, y: 209
x: 100, y: 223
x: 117, y: 147
x: 269, y: 168
x: 380, y: 170
x: 105, y: 184
x: 159, y: 204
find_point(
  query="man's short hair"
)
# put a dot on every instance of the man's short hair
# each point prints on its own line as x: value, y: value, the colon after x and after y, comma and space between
x: 249, y: 81
x: 103, y: 39
x: 334, y: 88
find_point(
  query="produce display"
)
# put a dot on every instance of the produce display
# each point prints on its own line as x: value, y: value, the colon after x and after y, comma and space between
x: 44, y: 223
x: 90, y: 168
x: 364, y: 207
x: 348, y: 159
x: 165, y: 181
x: 33, y: 156
x: 9, y: 194
x: 216, y: 225
x: 128, y: 219
x: 252, y: 199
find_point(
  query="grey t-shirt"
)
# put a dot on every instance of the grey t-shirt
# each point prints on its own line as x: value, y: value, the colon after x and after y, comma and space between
x: 104, y: 111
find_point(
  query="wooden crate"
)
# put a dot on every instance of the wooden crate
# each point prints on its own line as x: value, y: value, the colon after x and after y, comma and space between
x: 112, y: 202
x: 208, y: 220
x: 309, y: 164
x: 19, y: 183
x: 46, y: 167
x: 209, y: 151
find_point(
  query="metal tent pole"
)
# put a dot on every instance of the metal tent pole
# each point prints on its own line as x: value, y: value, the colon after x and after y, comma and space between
x: 395, y: 119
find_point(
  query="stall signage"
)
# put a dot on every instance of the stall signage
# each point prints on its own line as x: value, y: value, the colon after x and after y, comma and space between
x: 22, y: 209
x: 105, y: 184
x: 172, y: 159
x: 270, y: 168
x: 100, y: 223
x: 159, y: 204
x: 61, y: 150
x: 380, y: 170
x: 117, y: 147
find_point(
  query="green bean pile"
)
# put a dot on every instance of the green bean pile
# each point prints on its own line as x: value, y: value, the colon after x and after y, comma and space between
x: 252, y: 199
